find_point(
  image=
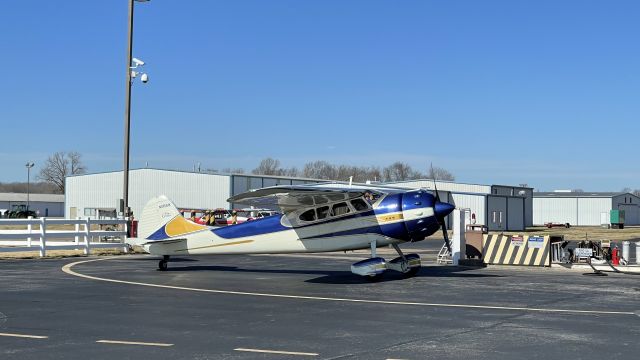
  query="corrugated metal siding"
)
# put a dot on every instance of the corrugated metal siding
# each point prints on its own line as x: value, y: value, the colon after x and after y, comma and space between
x: 474, y: 202
x: 631, y: 213
x: 555, y: 210
x: 193, y: 190
x: 589, y: 210
x: 43, y: 208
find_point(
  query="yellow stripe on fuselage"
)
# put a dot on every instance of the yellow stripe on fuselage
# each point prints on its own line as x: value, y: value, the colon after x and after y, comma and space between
x: 180, y: 226
x: 389, y: 217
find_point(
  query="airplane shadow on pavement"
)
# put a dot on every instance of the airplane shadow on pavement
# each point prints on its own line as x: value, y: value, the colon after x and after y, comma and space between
x: 341, y: 276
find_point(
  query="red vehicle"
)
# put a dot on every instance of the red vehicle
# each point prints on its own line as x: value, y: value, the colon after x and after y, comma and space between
x: 223, y: 217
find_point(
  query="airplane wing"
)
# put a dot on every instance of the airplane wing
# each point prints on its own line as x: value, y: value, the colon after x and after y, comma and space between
x: 290, y: 197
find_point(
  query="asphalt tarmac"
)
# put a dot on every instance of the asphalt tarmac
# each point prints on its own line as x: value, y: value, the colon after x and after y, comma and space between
x: 309, y: 306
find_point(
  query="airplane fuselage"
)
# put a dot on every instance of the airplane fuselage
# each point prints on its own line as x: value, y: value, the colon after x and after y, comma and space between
x: 334, y: 226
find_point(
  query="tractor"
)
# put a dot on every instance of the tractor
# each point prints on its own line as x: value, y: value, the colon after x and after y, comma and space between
x: 21, y: 212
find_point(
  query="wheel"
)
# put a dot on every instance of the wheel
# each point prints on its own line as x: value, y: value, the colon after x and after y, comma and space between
x: 412, y: 272
x: 162, y: 265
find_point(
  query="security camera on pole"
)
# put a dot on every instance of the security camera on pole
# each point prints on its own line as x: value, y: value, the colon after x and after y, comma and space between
x: 137, y: 63
x: 131, y: 74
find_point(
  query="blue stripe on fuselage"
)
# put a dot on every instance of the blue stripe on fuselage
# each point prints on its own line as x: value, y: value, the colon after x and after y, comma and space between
x: 266, y: 225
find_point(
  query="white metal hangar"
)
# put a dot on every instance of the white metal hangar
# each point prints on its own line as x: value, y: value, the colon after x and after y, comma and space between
x: 98, y: 195
x: 47, y: 205
x: 583, y: 208
x: 499, y: 207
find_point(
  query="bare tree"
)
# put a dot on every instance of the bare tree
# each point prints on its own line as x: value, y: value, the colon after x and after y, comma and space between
x: 291, y: 172
x: 268, y: 166
x: 439, y: 173
x: 60, y: 165
x: 399, y: 171
x: 319, y: 170
x: 233, y: 170
x: 75, y: 162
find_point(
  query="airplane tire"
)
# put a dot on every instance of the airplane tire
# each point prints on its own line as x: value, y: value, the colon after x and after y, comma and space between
x: 412, y: 272
x: 162, y: 265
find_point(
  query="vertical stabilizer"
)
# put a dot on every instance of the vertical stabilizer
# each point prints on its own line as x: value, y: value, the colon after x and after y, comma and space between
x: 156, y: 214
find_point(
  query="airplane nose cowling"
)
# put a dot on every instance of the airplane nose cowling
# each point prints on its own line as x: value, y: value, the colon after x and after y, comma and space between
x: 442, y: 209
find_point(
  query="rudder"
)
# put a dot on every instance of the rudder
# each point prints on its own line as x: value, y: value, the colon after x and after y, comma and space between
x: 156, y: 214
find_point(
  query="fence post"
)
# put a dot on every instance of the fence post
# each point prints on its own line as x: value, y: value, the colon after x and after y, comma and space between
x: 43, y: 237
x: 29, y: 228
x: 77, y: 237
x: 87, y: 234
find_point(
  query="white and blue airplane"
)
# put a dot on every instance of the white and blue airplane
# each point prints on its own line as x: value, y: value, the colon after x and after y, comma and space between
x: 315, y: 218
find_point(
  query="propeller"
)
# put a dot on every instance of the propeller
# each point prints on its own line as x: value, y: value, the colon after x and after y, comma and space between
x: 441, y: 210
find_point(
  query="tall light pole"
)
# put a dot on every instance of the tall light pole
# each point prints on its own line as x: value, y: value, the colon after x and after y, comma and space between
x: 29, y: 165
x: 127, y: 111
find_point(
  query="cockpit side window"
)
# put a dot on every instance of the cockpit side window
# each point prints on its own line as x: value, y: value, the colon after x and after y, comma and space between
x: 340, y: 209
x: 309, y: 215
x: 359, y: 204
x: 323, y: 211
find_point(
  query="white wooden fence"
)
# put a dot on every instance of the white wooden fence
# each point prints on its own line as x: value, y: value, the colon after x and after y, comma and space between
x: 30, y: 239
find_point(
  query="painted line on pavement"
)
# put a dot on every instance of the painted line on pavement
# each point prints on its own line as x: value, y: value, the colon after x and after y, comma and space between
x: 118, y: 342
x: 67, y: 269
x: 276, y: 352
x: 24, y: 336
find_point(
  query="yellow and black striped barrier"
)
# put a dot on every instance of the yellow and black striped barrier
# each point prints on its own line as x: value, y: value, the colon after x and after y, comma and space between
x: 516, y: 250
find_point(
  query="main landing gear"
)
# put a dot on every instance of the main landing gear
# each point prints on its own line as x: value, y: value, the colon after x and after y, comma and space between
x: 374, y: 267
x: 162, y: 265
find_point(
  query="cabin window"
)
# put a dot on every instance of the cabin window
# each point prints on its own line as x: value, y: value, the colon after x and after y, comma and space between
x: 340, y: 209
x: 323, y: 211
x: 359, y: 204
x: 308, y: 215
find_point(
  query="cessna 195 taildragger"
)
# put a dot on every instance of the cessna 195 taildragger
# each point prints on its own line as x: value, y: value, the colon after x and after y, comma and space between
x: 315, y: 218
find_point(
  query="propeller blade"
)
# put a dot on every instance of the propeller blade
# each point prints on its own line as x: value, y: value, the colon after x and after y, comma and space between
x: 442, y: 210
x: 435, y: 185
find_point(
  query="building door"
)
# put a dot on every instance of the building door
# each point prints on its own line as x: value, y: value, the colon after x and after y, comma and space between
x: 497, y: 212
x: 73, y: 212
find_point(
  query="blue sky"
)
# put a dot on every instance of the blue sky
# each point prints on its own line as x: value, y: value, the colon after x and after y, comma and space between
x: 504, y: 92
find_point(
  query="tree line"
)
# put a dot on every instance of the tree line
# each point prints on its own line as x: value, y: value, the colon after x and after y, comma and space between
x: 320, y: 169
x: 51, y: 177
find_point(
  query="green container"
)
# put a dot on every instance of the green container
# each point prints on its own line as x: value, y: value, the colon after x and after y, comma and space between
x: 617, y: 216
